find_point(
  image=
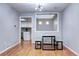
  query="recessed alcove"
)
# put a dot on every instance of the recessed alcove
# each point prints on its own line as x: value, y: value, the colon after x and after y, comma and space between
x: 46, y: 22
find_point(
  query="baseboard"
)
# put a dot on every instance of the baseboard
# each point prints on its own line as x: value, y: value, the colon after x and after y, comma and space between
x: 71, y: 50
x: 9, y: 47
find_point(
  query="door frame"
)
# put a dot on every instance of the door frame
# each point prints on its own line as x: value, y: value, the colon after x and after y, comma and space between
x: 20, y: 28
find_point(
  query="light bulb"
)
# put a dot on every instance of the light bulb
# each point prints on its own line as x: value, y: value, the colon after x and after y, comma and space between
x: 47, y: 22
x: 40, y: 22
x: 40, y: 9
x: 36, y: 8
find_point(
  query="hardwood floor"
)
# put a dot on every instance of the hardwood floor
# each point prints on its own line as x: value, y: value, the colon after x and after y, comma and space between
x: 27, y: 49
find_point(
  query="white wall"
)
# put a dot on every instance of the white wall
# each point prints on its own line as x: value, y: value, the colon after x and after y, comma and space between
x: 70, y: 22
x: 37, y: 35
x: 9, y: 34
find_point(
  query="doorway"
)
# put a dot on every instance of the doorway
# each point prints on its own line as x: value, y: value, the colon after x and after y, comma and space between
x: 26, y: 29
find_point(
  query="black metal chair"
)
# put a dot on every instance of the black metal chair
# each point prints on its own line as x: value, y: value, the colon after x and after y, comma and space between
x: 59, y: 45
x: 48, y: 42
x: 37, y: 44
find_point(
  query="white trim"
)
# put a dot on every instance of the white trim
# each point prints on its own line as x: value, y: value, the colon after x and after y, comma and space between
x: 19, y: 30
x: 71, y: 50
x: 9, y: 47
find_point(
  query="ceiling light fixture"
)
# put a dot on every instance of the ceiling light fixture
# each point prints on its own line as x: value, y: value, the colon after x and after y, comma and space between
x: 39, y: 7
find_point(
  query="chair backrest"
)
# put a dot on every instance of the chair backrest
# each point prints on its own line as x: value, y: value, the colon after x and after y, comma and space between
x: 48, y: 39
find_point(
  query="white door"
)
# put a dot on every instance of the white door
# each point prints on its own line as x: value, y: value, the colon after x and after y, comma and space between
x: 26, y: 35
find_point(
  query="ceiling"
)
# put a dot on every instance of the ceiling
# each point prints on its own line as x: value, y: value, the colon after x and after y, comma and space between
x: 47, y: 7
